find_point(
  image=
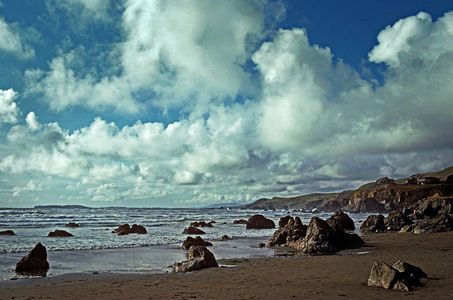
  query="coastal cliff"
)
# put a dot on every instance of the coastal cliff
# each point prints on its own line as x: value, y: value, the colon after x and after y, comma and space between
x: 383, y: 195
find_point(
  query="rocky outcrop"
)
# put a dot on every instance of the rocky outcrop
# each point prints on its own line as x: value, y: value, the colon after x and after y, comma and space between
x: 72, y: 225
x: 126, y: 229
x: 7, y: 232
x: 373, y: 223
x: 35, y: 262
x: 289, y: 232
x: 193, y: 230
x: 199, y: 258
x: 341, y: 220
x: 400, y: 276
x: 241, y: 221
x: 59, y: 233
x: 202, y: 224
x: 197, y: 241
x: 260, y: 222
x: 396, y: 221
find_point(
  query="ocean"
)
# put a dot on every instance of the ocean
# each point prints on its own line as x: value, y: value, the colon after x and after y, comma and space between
x: 95, y: 249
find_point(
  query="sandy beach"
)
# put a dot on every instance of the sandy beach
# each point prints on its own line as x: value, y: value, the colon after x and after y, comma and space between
x: 340, y: 276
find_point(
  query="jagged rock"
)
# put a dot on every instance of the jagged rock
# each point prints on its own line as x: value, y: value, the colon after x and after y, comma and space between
x: 260, y: 222
x: 59, y: 233
x: 284, y: 220
x: 201, y: 224
x: 197, y: 241
x: 7, y: 232
x: 193, y: 230
x: 400, y: 276
x: 341, y: 220
x: 440, y: 224
x: 34, y: 262
x: 373, y: 223
x: 242, y: 221
x: 370, y: 205
x: 72, y: 224
x: 319, y: 239
x: 126, y: 229
x: 396, y: 221
x: 199, y: 257
x: 291, y: 232
x: 224, y: 237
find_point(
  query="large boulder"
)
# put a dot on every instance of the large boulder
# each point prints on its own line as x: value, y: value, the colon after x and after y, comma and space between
x: 260, y: 222
x: 341, y: 220
x: 370, y: 205
x: 7, y: 232
x: 400, y: 276
x: 197, y: 241
x: 441, y: 223
x: 59, y: 233
x: 35, y: 262
x: 199, y: 258
x: 284, y: 220
x: 126, y: 229
x: 396, y: 220
x: 319, y: 239
x: 373, y: 223
x: 292, y: 231
x: 193, y: 230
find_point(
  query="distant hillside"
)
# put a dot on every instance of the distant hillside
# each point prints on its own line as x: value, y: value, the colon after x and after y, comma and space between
x: 382, y: 195
x: 61, y: 207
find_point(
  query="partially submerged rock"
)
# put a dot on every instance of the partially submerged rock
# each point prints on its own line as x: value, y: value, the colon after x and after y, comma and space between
x: 241, y: 221
x: 341, y: 220
x: 72, y: 225
x: 260, y: 222
x: 126, y: 229
x: 197, y: 241
x: 202, y: 224
x: 35, y: 262
x: 193, y: 230
x: 373, y: 223
x: 400, y: 276
x: 59, y: 233
x: 7, y: 232
x: 291, y: 230
x: 199, y: 258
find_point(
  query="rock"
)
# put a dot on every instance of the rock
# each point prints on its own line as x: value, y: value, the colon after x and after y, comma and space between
x: 441, y: 223
x: 201, y: 224
x: 341, y: 220
x: 370, y: 205
x: 72, y: 224
x: 400, y: 276
x: 396, y: 221
x: 284, y: 220
x: 383, y: 275
x: 34, y: 262
x: 261, y: 245
x: 126, y: 229
x: 242, y: 221
x: 224, y: 237
x: 59, y: 233
x: 374, y: 223
x: 291, y: 232
x: 193, y: 230
x: 7, y: 232
x: 197, y: 241
x: 260, y: 222
x: 320, y: 238
x: 199, y: 257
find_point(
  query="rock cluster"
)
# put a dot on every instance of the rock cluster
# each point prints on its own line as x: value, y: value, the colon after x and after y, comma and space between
x: 126, y: 229
x: 260, y: 222
x: 35, y: 262
x: 202, y: 224
x: 400, y: 276
x: 193, y: 230
x: 199, y: 258
x: 59, y: 233
x: 197, y: 241
x: 318, y: 237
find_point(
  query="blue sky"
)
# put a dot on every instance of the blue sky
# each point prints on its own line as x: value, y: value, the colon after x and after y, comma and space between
x: 191, y: 103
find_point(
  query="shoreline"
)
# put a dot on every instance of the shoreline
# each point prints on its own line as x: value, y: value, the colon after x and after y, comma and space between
x: 341, y: 275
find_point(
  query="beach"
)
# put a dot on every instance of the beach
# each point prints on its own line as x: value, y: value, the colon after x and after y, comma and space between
x: 340, y: 276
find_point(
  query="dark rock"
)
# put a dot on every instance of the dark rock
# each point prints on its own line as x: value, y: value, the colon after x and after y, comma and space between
x: 341, y: 220
x: 291, y: 232
x: 72, y: 224
x: 284, y: 220
x: 374, y: 223
x: 411, y: 274
x: 201, y: 224
x: 59, y: 233
x: 197, y: 241
x: 7, y: 232
x: 261, y: 245
x: 396, y: 220
x: 260, y: 222
x: 35, y: 262
x: 370, y: 205
x: 242, y: 221
x: 199, y: 258
x: 441, y: 223
x: 224, y: 237
x: 193, y: 230
x: 383, y: 275
x: 126, y: 229
x: 320, y: 238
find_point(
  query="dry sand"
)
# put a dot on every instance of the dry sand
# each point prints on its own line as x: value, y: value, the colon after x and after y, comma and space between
x: 341, y: 276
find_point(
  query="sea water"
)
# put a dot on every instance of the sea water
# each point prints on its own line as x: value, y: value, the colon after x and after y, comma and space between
x: 94, y: 248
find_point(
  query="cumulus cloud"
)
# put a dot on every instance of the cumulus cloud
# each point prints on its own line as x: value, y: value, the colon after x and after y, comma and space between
x: 13, y: 42
x: 8, y: 108
x: 31, y: 186
x: 32, y: 122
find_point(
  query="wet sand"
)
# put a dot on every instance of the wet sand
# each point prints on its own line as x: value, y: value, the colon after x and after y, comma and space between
x: 341, y: 276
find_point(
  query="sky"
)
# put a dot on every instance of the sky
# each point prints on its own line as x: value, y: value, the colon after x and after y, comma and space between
x: 193, y: 103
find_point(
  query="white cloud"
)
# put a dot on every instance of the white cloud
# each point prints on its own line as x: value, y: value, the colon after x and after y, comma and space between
x: 32, y: 122
x: 8, y: 108
x: 12, y: 42
x: 31, y: 186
